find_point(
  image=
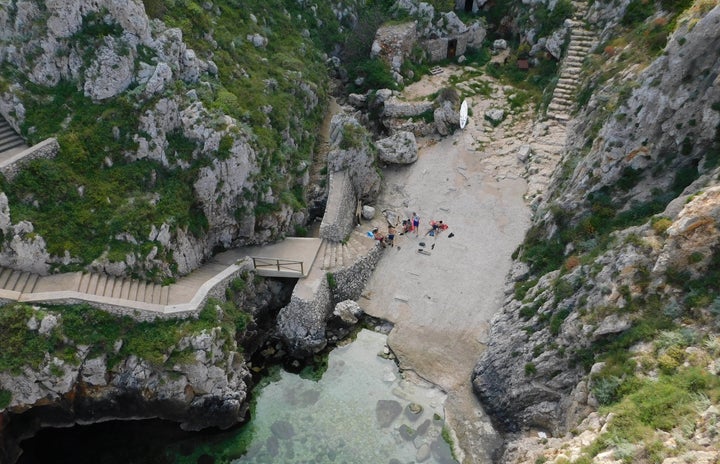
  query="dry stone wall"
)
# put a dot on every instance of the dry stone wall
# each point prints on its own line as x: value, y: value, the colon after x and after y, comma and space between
x: 46, y: 149
x: 339, y: 218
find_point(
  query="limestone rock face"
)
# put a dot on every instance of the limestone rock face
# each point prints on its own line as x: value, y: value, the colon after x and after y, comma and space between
x: 669, y: 112
x: 399, y: 148
x: 26, y: 250
x: 527, y: 378
x: 352, y: 150
x: 209, y: 389
x: 43, y: 43
x: 111, y: 73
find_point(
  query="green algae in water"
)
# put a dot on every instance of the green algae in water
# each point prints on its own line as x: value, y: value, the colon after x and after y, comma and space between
x: 360, y: 410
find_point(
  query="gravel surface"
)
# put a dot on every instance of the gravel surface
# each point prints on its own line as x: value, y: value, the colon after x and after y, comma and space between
x: 441, y: 296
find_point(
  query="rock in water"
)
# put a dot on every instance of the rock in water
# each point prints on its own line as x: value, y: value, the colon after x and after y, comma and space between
x: 283, y: 430
x: 387, y: 411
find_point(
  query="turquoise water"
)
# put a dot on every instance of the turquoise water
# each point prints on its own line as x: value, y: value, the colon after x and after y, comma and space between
x: 360, y: 411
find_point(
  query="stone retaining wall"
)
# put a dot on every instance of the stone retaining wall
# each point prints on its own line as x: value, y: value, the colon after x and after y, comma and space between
x: 339, y: 218
x: 302, y: 323
x: 350, y: 281
x: 47, y: 149
x: 395, y: 108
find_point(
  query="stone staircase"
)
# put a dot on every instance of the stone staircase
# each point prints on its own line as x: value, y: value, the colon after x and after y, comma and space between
x: 582, y: 41
x: 10, y: 141
x: 336, y: 255
x: 123, y: 289
x: 17, y: 281
x: 15, y: 284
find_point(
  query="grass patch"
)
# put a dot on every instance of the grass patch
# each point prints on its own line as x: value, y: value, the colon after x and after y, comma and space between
x: 662, y: 404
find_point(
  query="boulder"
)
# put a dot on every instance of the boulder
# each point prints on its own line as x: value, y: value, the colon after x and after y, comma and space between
x: 500, y: 44
x: 368, y: 212
x: 400, y: 148
x: 348, y: 311
x: 446, y: 118
x: 495, y: 116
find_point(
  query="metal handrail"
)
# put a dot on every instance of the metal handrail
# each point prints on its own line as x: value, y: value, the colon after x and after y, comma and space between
x: 279, y: 264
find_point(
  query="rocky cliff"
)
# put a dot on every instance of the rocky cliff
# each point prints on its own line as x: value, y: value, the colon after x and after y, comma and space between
x: 178, y: 125
x: 73, y: 365
x: 614, y: 295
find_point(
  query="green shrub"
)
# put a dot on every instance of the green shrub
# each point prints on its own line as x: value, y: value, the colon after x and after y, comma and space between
x: 353, y: 136
x: 155, y: 9
x: 20, y: 345
x: 376, y: 74
x: 549, y: 20
x: 5, y: 398
x: 637, y: 11
x: 660, y: 224
x: 300, y: 231
x: 557, y: 319
x: 530, y: 369
x: 522, y: 287
x: 676, y: 5
x: 658, y: 405
x: 331, y: 280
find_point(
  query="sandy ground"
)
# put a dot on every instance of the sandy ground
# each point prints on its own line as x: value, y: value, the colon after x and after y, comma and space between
x: 441, y: 303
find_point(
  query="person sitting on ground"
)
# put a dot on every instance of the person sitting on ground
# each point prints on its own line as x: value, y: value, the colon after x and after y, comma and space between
x: 378, y: 236
x: 406, y: 226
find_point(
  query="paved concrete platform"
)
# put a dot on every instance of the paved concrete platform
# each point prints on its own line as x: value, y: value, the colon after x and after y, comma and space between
x: 292, y: 257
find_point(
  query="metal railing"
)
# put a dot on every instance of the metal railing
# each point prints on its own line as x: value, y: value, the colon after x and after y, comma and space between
x: 279, y: 265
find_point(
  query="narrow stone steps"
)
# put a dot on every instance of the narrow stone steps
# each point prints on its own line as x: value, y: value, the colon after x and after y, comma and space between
x: 9, y: 139
x: 17, y: 281
x: 115, y: 287
x: 581, y: 43
x: 336, y: 255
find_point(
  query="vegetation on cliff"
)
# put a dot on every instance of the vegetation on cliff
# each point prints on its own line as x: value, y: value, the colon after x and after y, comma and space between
x: 619, y: 307
x: 94, y: 196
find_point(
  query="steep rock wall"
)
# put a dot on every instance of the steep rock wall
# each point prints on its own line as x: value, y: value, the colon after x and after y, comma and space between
x: 557, y: 318
x: 113, y: 52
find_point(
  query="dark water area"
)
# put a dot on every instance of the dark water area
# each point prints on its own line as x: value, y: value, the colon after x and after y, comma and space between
x: 118, y: 442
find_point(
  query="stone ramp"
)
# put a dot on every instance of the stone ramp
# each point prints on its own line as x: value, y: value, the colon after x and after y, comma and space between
x: 582, y: 41
x: 10, y: 142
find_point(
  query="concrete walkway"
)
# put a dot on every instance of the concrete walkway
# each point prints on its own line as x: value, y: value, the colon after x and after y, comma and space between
x: 296, y: 257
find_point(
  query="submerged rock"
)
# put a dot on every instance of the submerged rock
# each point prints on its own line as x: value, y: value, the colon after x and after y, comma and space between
x: 386, y: 411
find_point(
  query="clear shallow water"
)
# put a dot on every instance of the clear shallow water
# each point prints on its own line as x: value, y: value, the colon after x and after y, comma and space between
x: 358, y: 412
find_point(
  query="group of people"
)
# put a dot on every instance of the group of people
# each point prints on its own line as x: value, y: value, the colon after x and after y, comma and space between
x: 408, y: 226
x: 412, y: 224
